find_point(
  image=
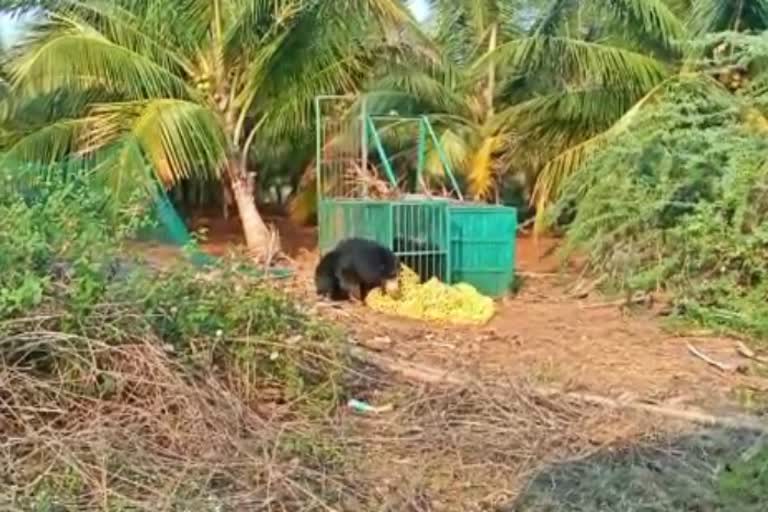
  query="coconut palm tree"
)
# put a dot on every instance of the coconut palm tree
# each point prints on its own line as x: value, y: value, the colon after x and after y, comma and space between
x: 526, y: 87
x: 188, y: 85
x: 653, y: 28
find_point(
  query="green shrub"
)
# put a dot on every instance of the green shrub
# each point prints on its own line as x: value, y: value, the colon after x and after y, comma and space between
x: 743, y: 485
x: 63, y: 251
x: 57, y: 227
x: 680, y: 203
x: 196, y: 386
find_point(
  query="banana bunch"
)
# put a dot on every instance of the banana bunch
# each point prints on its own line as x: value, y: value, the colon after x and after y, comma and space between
x: 433, y: 300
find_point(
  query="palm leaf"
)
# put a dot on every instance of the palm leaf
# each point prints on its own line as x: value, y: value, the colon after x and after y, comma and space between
x: 124, y: 170
x: 50, y: 143
x: 718, y: 16
x: 257, y: 21
x: 566, y: 114
x: 548, y: 23
x: 138, y: 26
x: 565, y: 164
x: 455, y: 148
x: 179, y: 138
x: 580, y: 61
x: 432, y: 93
x: 480, y: 173
x: 71, y: 56
x: 650, y: 18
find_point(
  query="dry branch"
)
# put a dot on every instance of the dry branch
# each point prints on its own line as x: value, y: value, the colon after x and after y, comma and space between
x: 432, y: 375
x: 717, y: 364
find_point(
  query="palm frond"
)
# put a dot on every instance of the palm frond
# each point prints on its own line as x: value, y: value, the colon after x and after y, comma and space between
x: 456, y: 148
x: 454, y: 31
x: 178, y: 138
x: 565, y: 114
x: 404, y: 81
x: 562, y: 166
x: 138, y: 26
x: 124, y: 170
x: 581, y: 62
x: 72, y: 56
x: 548, y: 23
x: 651, y: 18
x: 23, y: 115
x: 482, y: 14
x: 305, y: 61
x: 50, y: 143
x: 480, y: 172
x: 258, y: 23
x: 681, y: 8
x: 718, y: 16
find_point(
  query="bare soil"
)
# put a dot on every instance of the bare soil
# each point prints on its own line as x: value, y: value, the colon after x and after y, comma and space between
x: 484, y: 445
x: 543, y: 333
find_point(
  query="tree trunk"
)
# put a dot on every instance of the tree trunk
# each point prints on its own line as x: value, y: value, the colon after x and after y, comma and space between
x: 490, y: 90
x: 226, y: 198
x: 257, y: 235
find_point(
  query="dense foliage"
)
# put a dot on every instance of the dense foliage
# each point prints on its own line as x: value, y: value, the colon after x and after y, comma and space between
x: 678, y: 203
x: 160, y: 381
x: 67, y: 268
x: 645, y: 120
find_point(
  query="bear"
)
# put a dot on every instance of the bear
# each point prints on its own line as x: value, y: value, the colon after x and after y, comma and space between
x: 355, y: 267
x: 326, y: 282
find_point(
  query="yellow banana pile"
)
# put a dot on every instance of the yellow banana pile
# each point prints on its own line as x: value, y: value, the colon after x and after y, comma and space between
x: 433, y: 300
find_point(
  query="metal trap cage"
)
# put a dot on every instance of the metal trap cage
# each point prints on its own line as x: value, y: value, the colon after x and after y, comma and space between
x: 360, y: 195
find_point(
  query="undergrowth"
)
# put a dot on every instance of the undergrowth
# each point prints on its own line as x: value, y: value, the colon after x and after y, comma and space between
x: 123, y: 387
x: 679, y: 203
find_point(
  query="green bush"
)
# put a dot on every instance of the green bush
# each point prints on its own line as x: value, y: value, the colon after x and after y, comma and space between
x: 680, y: 203
x: 63, y: 251
x: 743, y: 485
x: 194, y: 385
x: 58, y: 226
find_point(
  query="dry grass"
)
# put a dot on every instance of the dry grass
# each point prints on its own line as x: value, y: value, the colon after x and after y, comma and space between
x: 129, y: 427
x: 132, y: 427
x: 93, y: 426
x: 474, y: 448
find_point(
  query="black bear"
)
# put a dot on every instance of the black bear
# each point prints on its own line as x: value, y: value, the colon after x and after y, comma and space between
x: 424, y: 258
x: 326, y: 281
x: 355, y: 267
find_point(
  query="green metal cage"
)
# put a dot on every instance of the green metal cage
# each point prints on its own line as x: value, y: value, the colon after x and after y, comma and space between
x: 449, y: 238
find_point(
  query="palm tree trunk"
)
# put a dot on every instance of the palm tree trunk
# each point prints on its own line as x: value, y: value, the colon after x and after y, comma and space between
x: 255, y: 230
x: 490, y: 91
x: 226, y: 198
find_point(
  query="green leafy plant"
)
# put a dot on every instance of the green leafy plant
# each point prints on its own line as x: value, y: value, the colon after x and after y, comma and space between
x: 678, y: 203
x: 743, y: 485
x: 64, y: 250
x: 160, y: 381
x: 59, y: 227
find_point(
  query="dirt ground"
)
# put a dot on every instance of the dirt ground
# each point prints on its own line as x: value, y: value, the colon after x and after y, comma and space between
x: 542, y: 334
x: 490, y: 438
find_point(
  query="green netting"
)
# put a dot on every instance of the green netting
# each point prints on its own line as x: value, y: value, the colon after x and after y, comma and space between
x: 171, y: 229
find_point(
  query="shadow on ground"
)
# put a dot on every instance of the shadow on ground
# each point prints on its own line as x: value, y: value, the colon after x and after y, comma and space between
x: 713, y: 470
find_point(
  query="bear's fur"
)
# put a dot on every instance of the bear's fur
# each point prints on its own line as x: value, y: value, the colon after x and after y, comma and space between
x: 355, y: 267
